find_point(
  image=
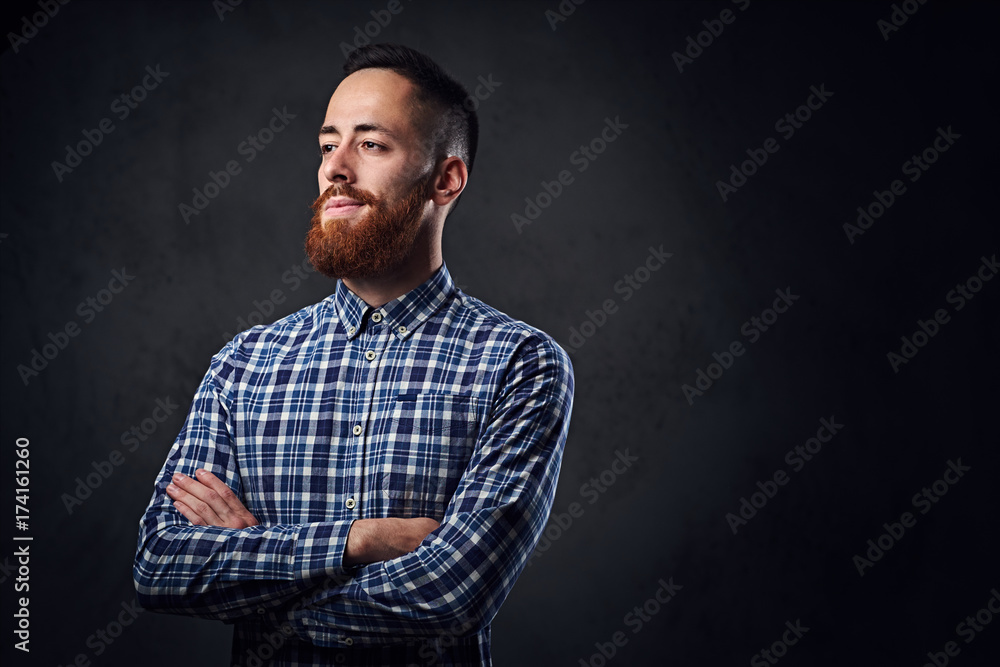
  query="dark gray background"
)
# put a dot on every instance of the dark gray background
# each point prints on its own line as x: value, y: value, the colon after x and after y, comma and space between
x: 656, y: 184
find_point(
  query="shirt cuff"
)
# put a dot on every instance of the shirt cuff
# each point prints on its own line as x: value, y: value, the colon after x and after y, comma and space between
x: 319, y: 550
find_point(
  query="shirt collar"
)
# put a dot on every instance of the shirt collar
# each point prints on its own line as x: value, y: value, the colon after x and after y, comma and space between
x: 404, y: 314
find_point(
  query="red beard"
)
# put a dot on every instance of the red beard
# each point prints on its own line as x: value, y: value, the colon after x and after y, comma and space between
x: 375, y: 245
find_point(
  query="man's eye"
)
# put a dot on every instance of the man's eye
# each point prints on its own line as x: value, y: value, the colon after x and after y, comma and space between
x: 371, y: 145
x: 326, y: 148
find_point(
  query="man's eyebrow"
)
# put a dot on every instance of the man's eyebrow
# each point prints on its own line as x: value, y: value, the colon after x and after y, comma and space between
x: 360, y: 127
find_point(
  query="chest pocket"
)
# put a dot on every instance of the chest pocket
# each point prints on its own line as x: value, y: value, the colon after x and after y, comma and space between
x: 429, y: 442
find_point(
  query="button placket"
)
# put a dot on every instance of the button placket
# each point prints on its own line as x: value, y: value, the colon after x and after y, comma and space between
x: 373, y: 339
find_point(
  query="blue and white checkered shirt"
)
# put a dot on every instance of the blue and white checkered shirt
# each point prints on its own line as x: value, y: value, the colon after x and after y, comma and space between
x: 434, y: 405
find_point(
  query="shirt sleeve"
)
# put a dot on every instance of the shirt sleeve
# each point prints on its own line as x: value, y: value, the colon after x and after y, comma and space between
x: 455, y: 582
x: 224, y: 573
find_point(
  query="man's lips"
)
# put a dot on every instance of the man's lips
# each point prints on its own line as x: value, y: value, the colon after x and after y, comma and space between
x: 340, y: 206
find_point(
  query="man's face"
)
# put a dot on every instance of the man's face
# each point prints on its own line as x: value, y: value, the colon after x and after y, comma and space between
x: 373, y: 179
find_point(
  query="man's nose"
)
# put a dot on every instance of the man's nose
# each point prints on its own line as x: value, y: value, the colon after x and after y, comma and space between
x: 337, y: 166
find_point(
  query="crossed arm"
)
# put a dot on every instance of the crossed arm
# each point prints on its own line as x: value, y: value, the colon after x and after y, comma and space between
x: 207, y: 501
x: 201, y: 552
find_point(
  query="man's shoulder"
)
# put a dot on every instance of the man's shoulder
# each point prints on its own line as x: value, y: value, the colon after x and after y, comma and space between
x: 492, y: 324
x: 282, y: 333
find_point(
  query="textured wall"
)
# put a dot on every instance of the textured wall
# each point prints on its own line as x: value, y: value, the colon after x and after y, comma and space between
x: 885, y: 94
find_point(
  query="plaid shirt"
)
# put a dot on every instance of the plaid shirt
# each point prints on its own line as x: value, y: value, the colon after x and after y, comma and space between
x: 432, y: 405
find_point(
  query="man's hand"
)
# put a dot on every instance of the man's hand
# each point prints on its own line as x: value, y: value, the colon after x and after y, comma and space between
x: 207, y: 501
x: 372, y: 540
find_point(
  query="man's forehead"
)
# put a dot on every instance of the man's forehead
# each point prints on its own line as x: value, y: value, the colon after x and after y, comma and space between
x: 373, y: 96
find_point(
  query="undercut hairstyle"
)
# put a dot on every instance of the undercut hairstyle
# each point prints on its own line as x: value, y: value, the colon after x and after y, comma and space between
x: 444, y: 110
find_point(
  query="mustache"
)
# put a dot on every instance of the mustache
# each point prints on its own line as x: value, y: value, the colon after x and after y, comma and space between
x: 344, y: 190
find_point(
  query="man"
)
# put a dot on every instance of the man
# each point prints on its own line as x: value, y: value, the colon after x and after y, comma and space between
x: 361, y: 482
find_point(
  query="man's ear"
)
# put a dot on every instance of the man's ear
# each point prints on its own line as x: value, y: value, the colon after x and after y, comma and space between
x: 449, y: 180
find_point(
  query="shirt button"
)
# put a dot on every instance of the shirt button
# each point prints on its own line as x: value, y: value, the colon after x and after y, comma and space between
x: 357, y: 429
x: 350, y: 503
x: 376, y: 317
x: 402, y: 329
x: 370, y: 355
x: 350, y: 331
x: 348, y: 641
x: 261, y: 611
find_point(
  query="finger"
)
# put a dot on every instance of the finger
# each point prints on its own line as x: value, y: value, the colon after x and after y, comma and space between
x: 190, y: 514
x: 184, y: 499
x: 238, y: 509
x: 198, y: 497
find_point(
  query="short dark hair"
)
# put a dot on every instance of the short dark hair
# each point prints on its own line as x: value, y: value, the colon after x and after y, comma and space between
x: 443, y: 102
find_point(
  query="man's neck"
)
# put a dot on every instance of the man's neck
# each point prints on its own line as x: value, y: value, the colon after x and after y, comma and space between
x: 380, y: 291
